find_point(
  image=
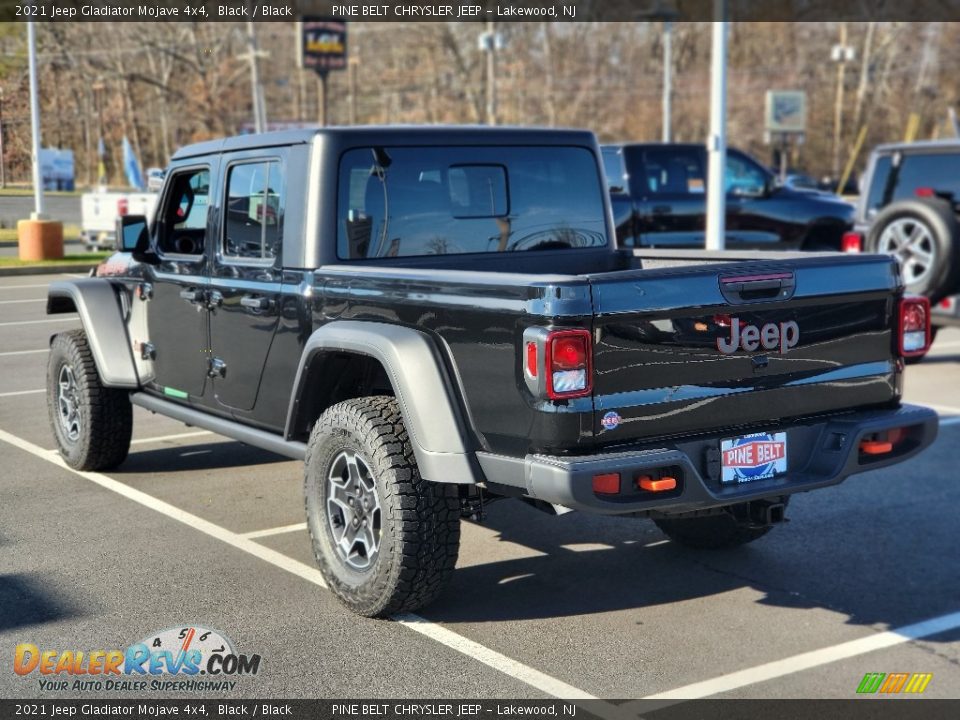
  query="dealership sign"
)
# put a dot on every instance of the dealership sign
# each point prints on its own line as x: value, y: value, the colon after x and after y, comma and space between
x: 323, y: 45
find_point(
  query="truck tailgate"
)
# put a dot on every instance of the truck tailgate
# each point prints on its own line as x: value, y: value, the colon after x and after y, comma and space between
x: 695, y: 348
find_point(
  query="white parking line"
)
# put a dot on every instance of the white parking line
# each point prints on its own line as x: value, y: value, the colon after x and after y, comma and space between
x: 71, y: 317
x: 808, y: 660
x: 15, y: 302
x: 23, y: 287
x: 275, y: 531
x: 164, y: 438
x: 23, y: 352
x: 21, y: 392
x: 491, y: 658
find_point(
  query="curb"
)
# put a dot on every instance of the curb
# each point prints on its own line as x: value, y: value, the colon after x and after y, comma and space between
x: 15, y: 243
x: 47, y: 269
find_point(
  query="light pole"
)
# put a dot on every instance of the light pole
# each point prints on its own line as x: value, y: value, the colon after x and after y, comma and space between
x: 3, y: 171
x: 667, y: 80
x: 35, y: 122
x: 37, y: 238
x: 717, y: 140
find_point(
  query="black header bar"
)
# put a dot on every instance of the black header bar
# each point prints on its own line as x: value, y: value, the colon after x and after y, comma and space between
x: 476, y: 10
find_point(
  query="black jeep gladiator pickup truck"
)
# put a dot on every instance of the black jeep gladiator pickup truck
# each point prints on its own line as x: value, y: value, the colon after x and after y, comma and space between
x: 431, y: 318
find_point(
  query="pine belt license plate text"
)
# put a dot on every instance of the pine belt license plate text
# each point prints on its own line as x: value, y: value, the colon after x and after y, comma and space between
x: 753, y: 457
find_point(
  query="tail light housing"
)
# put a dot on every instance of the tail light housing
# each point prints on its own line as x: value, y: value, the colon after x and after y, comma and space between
x: 558, y: 364
x: 914, y: 326
x: 122, y: 207
x: 852, y: 242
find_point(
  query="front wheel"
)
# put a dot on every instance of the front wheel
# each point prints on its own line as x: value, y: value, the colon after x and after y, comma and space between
x: 91, y: 423
x: 386, y: 540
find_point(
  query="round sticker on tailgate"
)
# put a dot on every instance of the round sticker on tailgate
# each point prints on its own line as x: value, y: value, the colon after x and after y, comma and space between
x: 610, y: 420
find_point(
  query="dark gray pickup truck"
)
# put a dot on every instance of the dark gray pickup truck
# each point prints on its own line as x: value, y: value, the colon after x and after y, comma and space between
x: 433, y: 318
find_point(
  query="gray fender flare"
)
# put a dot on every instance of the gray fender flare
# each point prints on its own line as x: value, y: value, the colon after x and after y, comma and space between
x: 95, y: 300
x: 419, y: 380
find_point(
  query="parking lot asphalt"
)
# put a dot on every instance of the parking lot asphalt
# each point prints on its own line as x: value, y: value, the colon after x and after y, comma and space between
x: 197, y: 529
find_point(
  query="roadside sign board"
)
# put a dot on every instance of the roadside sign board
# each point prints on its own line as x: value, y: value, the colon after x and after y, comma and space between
x: 786, y: 111
x: 323, y: 44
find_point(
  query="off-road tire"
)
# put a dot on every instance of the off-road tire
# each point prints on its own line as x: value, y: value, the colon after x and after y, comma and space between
x: 419, y: 520
x: 106, y: 417
x: 712, y: 532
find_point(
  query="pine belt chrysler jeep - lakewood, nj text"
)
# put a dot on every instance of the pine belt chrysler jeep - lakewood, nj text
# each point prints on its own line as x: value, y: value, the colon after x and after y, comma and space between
x: 433, y: 318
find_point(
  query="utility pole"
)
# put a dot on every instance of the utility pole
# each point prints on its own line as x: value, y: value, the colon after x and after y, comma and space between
x: 717, y: 141
x: 322, y: 97
x: 667, y: 80
x: 490, y: 42
x: 352, y: 79
x: 259, y: 105
x: 840, y: 54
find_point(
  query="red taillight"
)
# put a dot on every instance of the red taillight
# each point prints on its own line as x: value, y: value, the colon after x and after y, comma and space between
x: 568, y: 364
x: 925, y: 192
x: 122, y: 207
x: 532, y: 359
x: 852, y: 242
x: 914, y: 326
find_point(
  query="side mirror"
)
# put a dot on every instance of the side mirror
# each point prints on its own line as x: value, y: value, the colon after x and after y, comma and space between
x: 133, y: 237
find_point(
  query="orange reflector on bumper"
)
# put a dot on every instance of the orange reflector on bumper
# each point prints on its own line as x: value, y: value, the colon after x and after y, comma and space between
x: 875, y: 447
x: 645, y: 482
x: 607, y: 484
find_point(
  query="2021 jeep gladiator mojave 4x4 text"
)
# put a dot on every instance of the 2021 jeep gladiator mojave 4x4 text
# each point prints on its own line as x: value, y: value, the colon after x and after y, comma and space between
x: 431, y: 318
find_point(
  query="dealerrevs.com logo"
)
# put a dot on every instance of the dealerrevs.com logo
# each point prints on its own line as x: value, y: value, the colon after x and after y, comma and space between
x: 197, y: 658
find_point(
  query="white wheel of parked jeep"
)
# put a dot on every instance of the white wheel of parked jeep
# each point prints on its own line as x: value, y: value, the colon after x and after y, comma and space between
x: 386, y: 540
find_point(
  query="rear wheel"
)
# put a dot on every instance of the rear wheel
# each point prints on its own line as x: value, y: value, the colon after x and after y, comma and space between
x: 386, y: 540
x: 91, y: 423
x: 731, y: 528
x: 924, y: 236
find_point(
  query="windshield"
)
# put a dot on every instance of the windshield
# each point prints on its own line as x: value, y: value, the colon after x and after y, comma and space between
x: 414, y: 201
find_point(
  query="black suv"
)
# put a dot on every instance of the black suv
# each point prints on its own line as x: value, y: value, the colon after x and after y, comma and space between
x: 658, y: 191
x: 908, y: 208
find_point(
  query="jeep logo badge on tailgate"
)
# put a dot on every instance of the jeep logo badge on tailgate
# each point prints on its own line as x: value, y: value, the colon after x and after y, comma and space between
x: 771, y: 336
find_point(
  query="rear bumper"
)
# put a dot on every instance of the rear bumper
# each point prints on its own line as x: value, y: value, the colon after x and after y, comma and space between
x: 819, y: 453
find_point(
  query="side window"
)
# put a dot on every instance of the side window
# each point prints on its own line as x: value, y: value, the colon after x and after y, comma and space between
x: 878, y: 184
x: 253, y: 217
x: 674, y: 172
x: 613, y: 168
x: 743, y: 176
x: 183, y: 217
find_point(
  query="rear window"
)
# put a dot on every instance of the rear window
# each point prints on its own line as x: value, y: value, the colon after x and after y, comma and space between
x: 415, y: 201
x: 940, y: 172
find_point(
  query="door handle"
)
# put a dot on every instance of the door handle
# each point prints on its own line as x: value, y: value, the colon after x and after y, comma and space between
x: 255, y: 302
x: 192, y: 295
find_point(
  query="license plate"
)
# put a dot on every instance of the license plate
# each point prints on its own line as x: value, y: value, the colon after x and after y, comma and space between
x: 753, y: 457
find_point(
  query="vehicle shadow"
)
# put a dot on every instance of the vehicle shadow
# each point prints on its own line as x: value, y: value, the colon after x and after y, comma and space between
x: 26, y: 603
x: 218, y: 453
x: 940, y: 359
x: 879, y: 559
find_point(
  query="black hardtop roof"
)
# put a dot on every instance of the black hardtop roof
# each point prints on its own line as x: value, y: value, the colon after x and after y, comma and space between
x: 921, y: 146
x: 651, y: 144
x: 395, y: 134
